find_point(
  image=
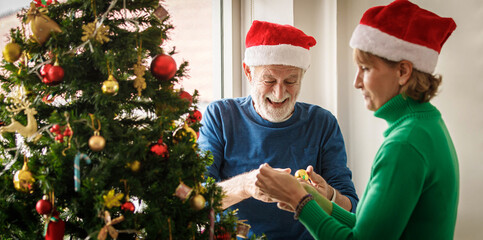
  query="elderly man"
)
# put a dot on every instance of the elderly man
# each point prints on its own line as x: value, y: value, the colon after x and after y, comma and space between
x: 270, y: 126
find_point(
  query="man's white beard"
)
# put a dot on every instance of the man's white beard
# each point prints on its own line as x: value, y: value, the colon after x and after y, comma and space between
x: 269, y: 113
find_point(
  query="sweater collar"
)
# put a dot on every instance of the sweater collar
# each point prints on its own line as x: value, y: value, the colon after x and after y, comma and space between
x: 399, y: 108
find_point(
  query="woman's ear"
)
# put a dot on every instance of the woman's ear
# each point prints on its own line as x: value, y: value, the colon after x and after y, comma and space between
x: 405, y: 71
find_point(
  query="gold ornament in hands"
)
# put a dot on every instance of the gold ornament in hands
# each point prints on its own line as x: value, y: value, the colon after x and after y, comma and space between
x: 98, y: 32
x: 27, y: 131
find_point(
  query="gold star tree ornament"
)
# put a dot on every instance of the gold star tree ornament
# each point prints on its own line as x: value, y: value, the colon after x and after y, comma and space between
x: 112, y: 199
x: 98, y: 32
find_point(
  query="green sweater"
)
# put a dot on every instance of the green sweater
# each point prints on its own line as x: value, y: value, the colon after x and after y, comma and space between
x: 413, y: 188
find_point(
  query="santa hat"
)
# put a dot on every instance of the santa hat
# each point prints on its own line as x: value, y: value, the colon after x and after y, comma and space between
x: 403, y: 31
x: 274, y: 44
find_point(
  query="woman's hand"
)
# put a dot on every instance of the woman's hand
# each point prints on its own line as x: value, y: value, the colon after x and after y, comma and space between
x: 280, y: 186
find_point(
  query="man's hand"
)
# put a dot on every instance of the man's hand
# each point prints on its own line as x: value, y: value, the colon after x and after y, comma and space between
x: 319, y: 183
x: 242, y: 186
x: 253, y: 191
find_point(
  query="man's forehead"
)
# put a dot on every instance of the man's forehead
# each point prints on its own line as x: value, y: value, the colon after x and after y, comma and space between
x: 279, y: 68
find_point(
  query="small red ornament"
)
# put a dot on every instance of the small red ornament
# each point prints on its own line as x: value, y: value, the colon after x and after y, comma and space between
x: 43, y: 206
x: 128, y: 206
x: 185, y: 95
x: 59, y: 138
x: 55, y: 129
x: 55, y: 75
x: 55, y: 228
x: 43, y: 3
x: 222, y: 234
x: 160, y: 149
x: 195, y: 116
x: 45, y: 69
x: 67, y: 132
x: 163, y: 67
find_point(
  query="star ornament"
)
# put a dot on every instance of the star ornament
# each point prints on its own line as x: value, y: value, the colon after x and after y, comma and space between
x: 112, y: 199
x: 101, y: 35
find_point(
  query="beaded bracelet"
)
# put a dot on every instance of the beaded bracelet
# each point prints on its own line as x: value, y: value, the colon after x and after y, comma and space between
x: 307, y: 198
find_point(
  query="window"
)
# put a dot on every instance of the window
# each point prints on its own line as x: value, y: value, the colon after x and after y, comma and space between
x: 192, y: 37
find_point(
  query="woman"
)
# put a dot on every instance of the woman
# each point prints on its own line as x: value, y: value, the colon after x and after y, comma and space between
x: 413, y: 188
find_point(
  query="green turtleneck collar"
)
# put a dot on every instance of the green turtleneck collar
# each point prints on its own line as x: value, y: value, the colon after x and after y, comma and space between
x: 399, y: 108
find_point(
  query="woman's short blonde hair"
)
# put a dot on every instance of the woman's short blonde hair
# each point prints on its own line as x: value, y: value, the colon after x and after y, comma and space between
x: 421, y: 86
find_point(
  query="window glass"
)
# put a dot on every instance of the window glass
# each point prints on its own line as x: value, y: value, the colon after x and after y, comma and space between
x: 192, y: 37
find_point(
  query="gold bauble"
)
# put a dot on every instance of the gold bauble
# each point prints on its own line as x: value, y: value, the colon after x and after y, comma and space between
x: 134, y: 166
x: 97, y: 143
x: 12, y: 52
x: 23, y: 179
x: 110, y: 86
x: 302, y: 174
x: 197, y: 202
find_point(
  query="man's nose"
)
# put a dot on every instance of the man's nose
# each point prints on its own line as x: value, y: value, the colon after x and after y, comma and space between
x: 279, y: 90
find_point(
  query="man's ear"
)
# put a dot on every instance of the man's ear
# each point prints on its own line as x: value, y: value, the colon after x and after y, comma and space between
x: 248, y: 73
x: 405, y: 70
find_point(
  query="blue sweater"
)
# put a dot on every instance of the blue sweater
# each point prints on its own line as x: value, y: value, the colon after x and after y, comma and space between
x: 240, y: 140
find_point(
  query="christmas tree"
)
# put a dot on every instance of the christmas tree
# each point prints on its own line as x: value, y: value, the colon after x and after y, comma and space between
x: 96, y: 141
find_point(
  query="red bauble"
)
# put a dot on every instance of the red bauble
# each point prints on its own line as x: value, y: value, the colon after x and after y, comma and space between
x: 128, y: 206
x: 43, y: 207
x: 67, y: 132
x: 186, y: 95
x: 55, y: 129
x: 195, y: 116
x: 160, y: 149
x: 163, y: 67
x: 55, y: 75
x: 45, y: 69
x: 222, y: 234
x: 56, y: 228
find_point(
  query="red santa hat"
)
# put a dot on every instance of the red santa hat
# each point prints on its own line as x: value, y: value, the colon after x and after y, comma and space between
x: 403, y: 31
x: 274, y: 44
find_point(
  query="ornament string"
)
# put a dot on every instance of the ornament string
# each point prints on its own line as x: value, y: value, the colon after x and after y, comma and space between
x: 169, y: 226
x: 96, y: 130
x: 126, y: 188
x: 79, y: 156
x: 50, y: 218
x: 66, y: 114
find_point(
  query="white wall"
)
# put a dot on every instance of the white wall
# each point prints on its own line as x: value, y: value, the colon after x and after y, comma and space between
x: 329, y: 83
